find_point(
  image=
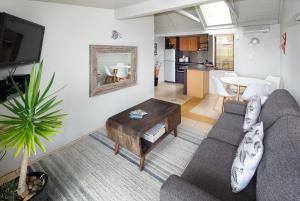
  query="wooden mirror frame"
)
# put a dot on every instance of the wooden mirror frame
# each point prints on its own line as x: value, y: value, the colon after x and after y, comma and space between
x: 94, y: 49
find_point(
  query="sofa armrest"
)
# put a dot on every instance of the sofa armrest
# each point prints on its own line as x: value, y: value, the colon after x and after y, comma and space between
x: 235, y: 107
x: 177, y: 189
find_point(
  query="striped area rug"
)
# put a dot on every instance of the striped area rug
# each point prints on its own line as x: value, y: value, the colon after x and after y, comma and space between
x: 89, y: 171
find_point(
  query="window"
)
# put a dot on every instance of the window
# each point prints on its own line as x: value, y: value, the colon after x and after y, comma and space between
x: 216, y: 13
x: 224, y: 52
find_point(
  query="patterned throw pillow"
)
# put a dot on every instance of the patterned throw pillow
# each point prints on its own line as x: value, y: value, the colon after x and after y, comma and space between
x: 252, y: 112
x: 248, y: 156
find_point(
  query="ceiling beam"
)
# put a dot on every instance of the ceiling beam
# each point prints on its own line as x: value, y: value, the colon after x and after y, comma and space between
x: 188, y: 15
x: 152, y: 7
x: 231, y: 8
x: 200, y: 16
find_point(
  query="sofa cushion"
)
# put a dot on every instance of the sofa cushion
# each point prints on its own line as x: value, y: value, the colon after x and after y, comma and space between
x: 248, y: 156
x: 280, y: 103
x: 229, y: 128
x: 278, y: 174
x: 210, y: 170
x: 177, y: 189
x: 252, y: 113
x: 235, y: 107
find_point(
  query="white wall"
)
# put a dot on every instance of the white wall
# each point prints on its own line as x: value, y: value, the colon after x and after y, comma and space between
x: 258, y: 60
x: 160, y: 57
x: 290, y: 62
x: 69, y: 32
x: 253, y: 60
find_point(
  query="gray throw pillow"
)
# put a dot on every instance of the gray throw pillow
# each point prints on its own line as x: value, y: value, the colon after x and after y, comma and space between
x: 248, y: 156
x: 252, y: 112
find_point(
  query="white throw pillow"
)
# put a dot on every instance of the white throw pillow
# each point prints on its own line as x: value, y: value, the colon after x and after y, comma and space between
x: 263, y: 99
x: 258, y: 129
x: 252, y: 112
x: 248, y: 156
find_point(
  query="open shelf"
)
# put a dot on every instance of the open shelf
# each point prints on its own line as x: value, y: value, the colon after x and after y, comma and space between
x: 147, y: 146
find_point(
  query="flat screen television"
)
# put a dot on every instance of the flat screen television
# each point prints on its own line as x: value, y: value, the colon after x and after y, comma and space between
x: 20, y: 41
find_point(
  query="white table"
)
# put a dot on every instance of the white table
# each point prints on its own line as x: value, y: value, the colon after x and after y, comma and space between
x: 242, y: 82
x: 116, y: 67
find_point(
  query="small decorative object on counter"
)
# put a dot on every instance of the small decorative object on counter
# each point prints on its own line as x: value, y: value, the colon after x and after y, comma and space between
x: 209, y: 65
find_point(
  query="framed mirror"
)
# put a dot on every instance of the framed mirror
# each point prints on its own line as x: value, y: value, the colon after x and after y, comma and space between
x: 112, y: 68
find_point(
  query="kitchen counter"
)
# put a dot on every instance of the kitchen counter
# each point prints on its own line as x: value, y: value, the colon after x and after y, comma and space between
x: 196, y: 81
x: 195, y: 66
x: 200, y: 67
x: 189, y: 63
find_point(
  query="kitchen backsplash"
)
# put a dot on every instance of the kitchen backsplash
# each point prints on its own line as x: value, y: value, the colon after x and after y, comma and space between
x: 200, y: 56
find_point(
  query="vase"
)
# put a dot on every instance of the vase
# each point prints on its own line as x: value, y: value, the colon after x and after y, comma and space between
x: 155, y: 81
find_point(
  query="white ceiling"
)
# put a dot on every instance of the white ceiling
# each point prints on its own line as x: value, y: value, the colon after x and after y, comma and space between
x: 109, y: 4
x: 250, y: 12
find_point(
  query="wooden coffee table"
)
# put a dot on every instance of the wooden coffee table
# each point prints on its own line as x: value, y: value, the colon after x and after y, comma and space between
x: 127, y: 132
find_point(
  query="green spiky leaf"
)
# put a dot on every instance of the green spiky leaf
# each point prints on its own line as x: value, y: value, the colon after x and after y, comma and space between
x: 33, y: 117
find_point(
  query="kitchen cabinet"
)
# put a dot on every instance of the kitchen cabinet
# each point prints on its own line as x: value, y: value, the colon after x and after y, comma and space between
x: 189, y: 43
x: 171, y: 43
x: 203, y: 42
x: 185, y: 82
x: 180, y: 77
x: 197, y: 83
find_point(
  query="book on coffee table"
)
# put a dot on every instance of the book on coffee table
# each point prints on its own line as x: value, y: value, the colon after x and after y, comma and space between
x: 155, y: 132
x: 137, y: 114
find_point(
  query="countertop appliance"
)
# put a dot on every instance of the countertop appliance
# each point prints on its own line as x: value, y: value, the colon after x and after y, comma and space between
x: 170, y: 65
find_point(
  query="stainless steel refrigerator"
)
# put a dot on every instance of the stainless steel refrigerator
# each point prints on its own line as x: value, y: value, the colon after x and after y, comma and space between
x: 170, y: 65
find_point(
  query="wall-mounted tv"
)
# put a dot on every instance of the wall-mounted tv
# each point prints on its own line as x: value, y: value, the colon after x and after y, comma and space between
x: 20, y: 41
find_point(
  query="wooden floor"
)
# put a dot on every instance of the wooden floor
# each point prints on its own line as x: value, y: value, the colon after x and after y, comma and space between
x: 189, y: 105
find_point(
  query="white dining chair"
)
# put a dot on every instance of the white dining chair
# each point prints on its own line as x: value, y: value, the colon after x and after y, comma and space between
x: 231, y: 87
x: 109, y: 76
x: 230, y: 74
x: 262, y: 90
x: 122, y: 73
x: 222, y: 91
x: 275, y: 82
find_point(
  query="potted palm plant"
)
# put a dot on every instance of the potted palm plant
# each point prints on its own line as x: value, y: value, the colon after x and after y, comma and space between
x: 33, y: 116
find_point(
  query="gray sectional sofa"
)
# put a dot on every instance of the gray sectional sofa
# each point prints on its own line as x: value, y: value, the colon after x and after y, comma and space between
x: 207, y: 177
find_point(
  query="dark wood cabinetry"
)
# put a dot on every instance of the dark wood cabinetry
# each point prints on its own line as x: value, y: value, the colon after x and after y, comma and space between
x: 189, y: 43
x: 171, y: 42
x: 193, y: 43
x: 203, y: 43
x: 179, y: 77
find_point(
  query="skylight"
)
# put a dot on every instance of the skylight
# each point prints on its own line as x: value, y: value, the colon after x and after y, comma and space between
x: 216, y: 13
